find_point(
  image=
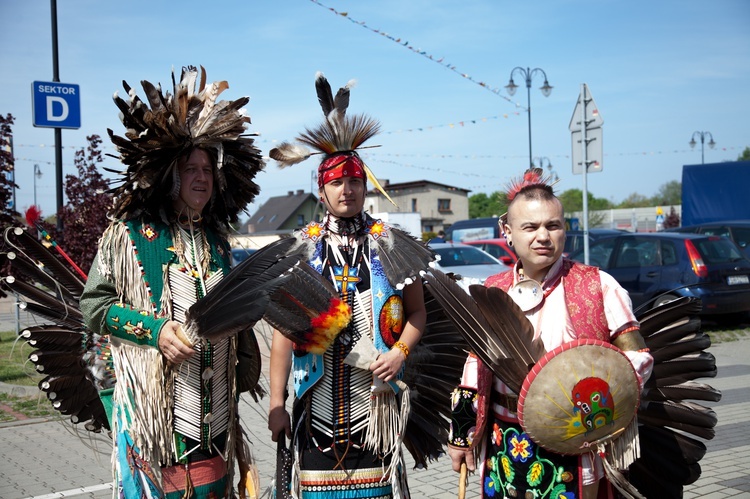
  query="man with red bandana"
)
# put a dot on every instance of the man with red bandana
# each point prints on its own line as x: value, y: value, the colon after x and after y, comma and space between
x: 350, y: 407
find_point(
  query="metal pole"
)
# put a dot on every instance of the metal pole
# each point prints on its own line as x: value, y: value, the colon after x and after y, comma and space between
x: 528, y: 107
x: 13, y: 173
x: 703, y: 162
x: 17, y: 306
x: 585, y: 165
x: 58, y: 131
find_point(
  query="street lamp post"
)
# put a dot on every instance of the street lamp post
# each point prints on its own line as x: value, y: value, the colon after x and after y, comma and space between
x: 37, y: 174
x: 540, y: 161
x: 702, y: 136
x: 528, y: 75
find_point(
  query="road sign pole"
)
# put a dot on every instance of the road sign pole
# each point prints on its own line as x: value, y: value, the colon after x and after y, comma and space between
x: 58, y: 131
x: 585, y: 167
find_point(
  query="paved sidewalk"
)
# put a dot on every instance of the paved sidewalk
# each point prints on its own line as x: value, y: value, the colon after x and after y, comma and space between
x: 46, y: 459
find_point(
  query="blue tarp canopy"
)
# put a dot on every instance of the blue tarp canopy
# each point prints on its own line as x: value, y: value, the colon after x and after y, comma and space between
x: 715, y: 192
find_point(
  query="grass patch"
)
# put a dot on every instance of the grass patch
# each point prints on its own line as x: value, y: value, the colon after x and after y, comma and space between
x: 14, y: 366
x: 31, y: 407
x: 16, y: 370
x: 725, y: 336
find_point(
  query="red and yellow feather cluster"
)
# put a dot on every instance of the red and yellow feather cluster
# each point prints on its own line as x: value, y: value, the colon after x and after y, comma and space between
x: 326, y: 326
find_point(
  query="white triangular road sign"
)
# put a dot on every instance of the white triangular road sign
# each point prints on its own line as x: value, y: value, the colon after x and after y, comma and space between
x: 593, y: 118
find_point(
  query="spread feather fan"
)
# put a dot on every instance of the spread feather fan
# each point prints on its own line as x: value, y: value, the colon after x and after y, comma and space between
x: 492, y: 324
x: 669, y: 418
x: 273, y: 283
x: 73, y: 360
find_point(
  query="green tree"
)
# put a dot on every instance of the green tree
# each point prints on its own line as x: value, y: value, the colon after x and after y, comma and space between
x: 7, y: 184
x: 572, y: 201
x: 84, y: 216
x: 7, y: 166
x: 482, y: 205
x: 745, y: 156
x: 635, y: 200
x: 668, y: 194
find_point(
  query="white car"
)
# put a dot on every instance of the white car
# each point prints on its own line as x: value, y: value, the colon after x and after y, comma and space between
x: 471, y: 263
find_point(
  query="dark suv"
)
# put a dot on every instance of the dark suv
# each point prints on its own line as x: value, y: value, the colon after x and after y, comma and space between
x: 659, y: 267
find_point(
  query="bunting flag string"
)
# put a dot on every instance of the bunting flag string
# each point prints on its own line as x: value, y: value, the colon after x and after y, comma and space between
x: 439, y: 170
x: 421, y: 52
x: 436, y: 156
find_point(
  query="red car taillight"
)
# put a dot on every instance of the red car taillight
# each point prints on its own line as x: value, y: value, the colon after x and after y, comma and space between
x: 699, y: 267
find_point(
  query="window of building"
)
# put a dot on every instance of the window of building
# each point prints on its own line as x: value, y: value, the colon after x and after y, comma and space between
x: 413, y: 204
x: 300, y: 219
x: 444, y: 205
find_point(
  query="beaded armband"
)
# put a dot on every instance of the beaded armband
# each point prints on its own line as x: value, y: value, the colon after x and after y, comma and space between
x: 402, y: 346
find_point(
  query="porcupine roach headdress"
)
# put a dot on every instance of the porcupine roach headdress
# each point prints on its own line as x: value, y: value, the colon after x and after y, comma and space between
x: 533, y: 177
x: 338, y: 137
x: 164, y: 128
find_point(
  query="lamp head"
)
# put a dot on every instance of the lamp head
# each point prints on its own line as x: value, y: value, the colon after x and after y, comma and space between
x: 511, y: 87
x: 546, y: 88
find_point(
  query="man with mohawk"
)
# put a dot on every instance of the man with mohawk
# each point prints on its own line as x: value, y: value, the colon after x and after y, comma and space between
x: 564, y: 301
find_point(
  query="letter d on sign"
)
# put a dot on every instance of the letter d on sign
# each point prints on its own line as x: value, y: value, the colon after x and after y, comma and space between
x: 51, y: 108
x: 55, y: 104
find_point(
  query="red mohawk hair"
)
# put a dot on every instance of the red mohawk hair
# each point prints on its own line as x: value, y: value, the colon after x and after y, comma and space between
x: 533, y: 177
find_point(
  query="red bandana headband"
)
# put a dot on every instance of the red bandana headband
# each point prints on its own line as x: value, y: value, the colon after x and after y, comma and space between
x: 340, y: 165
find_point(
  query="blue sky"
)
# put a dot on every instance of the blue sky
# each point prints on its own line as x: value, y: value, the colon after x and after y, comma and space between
x: 658, y: 72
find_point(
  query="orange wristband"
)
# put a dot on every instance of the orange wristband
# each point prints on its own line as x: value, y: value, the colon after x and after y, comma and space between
x: 402, y: 346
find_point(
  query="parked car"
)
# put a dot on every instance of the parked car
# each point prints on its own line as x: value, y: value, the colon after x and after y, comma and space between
x: 473, y: 229
x: 239, y: 254
x: 574, y: 238
x: 497, y: 247
x: 736, y: 230
x: 471, y: 263
x: 658, y: 267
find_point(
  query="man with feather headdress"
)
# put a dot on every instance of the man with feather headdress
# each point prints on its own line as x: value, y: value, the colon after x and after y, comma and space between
x: 563, y: 301
x: 173, y: 410
x: 350, y: 408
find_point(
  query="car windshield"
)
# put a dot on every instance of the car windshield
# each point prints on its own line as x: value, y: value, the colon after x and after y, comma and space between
x: 458, y: 256
x: 718, y: 250
x: 240, y: 254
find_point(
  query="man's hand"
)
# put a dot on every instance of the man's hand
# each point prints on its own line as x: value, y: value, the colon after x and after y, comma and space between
x: 460, y: 455
x: 171, y: 347
x: 388, y: 365
x: 278, y: 421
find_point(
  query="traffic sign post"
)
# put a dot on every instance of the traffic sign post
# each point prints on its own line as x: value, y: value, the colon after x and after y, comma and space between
x: 586, y: 134
x: 56, y: 105
x: 594, y: 148
x: 587, y: 150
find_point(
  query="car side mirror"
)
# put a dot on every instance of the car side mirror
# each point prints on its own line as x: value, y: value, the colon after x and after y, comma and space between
x: 506, y: 260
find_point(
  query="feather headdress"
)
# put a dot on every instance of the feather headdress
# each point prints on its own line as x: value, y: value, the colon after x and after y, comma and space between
x: 338, y: 137
x: 165, y: 127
